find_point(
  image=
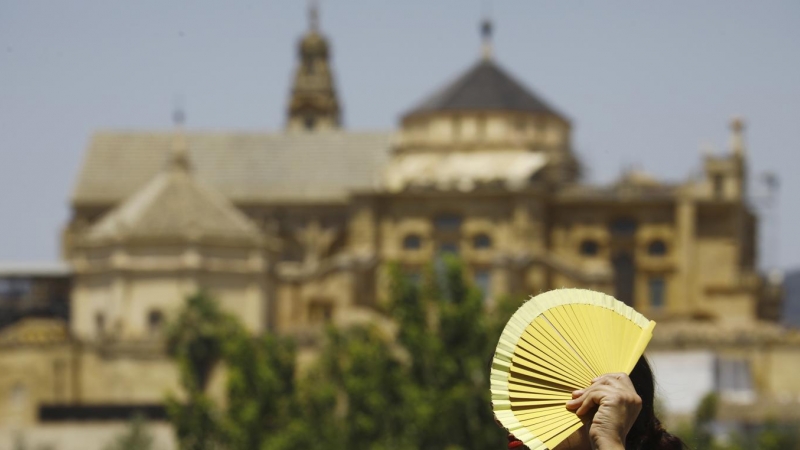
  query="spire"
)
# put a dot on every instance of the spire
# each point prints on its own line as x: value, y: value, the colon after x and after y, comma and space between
x: 313, y: 15
x: 737, y: 136
x: 313, y: 104
x: 179, y: 155
x: 486, y: 37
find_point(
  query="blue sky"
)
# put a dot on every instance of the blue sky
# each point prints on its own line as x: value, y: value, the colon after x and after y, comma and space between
x: 645, y: 83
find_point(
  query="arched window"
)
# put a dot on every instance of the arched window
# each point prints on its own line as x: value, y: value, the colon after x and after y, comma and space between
x: 657, y: 248
x: 657, y: 287
x: 412, y: 242
x: 155, y: 320
x: 624, y: 277
x: 482, y: 241
x: 589, y: 247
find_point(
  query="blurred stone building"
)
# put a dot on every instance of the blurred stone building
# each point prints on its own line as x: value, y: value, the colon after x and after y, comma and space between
x: 292, y: 230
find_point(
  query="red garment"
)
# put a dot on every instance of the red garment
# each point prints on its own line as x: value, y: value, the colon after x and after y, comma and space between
x: 514, y: 442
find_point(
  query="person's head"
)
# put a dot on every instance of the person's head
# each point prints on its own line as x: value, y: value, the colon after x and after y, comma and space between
x: 646, y: 432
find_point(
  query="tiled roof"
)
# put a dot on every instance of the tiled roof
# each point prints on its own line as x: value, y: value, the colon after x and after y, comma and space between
x: 245, y: 167
x: 174, y: 204
x: 485, y: 86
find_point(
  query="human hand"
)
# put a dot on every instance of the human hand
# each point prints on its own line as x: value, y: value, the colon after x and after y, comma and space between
x: 608, y: 407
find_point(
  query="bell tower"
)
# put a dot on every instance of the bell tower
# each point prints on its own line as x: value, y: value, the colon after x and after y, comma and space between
x: 313, y: 105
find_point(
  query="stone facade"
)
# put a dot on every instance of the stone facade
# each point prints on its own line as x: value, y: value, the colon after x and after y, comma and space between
x: 294, y: 230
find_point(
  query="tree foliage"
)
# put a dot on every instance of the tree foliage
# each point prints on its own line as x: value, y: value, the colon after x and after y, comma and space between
x: 445, y: 327
x: 355, y: 395
x: 424, y: 388
x: 260, y: 390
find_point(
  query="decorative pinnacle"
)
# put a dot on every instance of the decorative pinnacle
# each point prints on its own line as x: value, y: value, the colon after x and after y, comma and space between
x: 179, y: 155
x: 178, y: 117
x: 486, y: 37
x: 737, y: 136
x: 313, y: 15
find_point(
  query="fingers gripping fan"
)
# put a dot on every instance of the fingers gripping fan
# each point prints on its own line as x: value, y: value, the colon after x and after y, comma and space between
x: 556, y: 343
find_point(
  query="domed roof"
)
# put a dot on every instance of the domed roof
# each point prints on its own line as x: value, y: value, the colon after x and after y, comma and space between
x: 485, y: 86
x: 313, y: 44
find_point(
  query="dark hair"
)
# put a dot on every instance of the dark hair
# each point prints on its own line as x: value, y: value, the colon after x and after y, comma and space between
x: 647, y: 433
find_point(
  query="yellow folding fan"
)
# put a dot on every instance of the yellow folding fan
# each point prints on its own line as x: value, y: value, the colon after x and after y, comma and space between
x: 556, y: 343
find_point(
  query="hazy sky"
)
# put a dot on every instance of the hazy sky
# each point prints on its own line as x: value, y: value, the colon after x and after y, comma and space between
x: 645, y: 83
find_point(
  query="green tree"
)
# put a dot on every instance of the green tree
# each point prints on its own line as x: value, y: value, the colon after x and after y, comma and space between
x: 260, y: 377
x: 450, y: 338
x: 776, y: 436
x: 703, y: 419
x: 135, y: 438
x: 355, y: 395
x: 260, y: 392
x: 195, y: 340
x: 426, y: 388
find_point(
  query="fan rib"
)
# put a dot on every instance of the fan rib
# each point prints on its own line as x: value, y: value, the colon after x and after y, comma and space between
x: 545, y: 335
x: 547, y: 352
x: 554, y: 428
x: 580, y: 313
x: 557, y: 439
x: 571, y: 346
x: 524, y: 414
x: 567, y: 329
x: 522, y: 356
x: 589, y: 344
x: 541, y: 384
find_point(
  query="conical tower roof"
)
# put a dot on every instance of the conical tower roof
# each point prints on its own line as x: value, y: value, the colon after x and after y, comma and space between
x: 485, y: 86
